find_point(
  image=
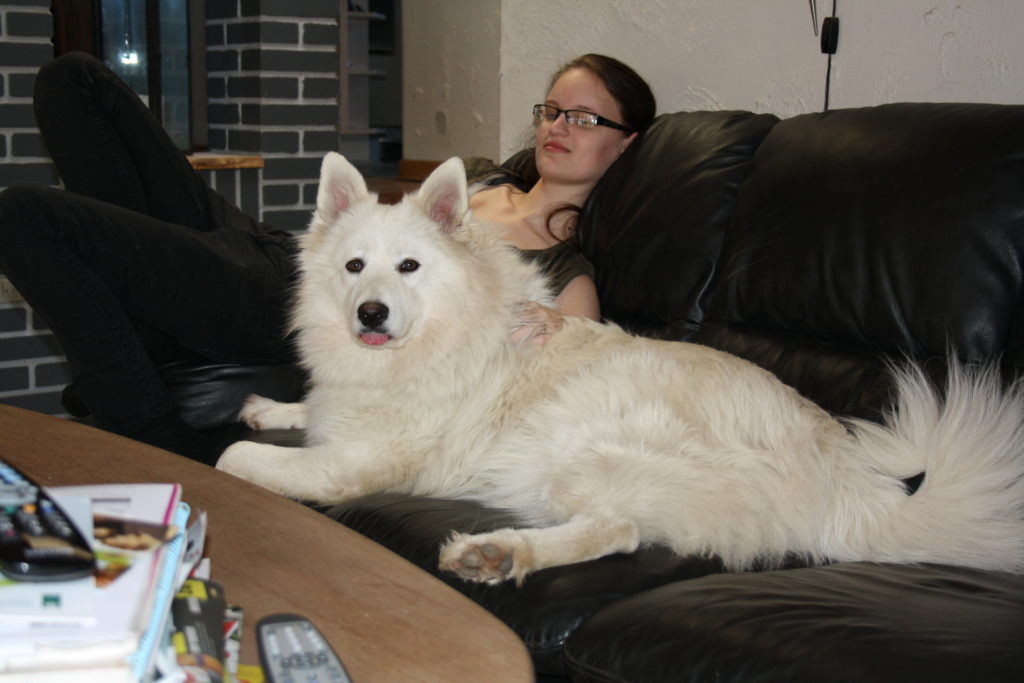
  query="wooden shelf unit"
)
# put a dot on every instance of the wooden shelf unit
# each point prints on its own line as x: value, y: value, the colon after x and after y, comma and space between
x: 354, y: 72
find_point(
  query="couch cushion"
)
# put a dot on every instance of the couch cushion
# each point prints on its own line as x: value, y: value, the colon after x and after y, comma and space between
x: 849, y: 622
x: 209, y: 394
x: 884, y: 232
x: 551, y: 603
x: 653, y: 225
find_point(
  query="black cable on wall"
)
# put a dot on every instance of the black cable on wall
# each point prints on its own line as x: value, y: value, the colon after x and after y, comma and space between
x: 829, y: 41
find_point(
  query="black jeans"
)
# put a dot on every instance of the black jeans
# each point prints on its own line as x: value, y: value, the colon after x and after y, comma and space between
x: 137, y: 262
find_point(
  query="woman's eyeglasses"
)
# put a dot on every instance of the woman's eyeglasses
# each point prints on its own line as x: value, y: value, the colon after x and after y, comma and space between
x: 574, y: 117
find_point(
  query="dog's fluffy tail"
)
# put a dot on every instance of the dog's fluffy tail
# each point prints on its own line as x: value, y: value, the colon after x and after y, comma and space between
x: 969, y: 508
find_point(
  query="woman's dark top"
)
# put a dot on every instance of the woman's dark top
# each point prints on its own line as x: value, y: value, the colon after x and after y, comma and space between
x: 560, y: 264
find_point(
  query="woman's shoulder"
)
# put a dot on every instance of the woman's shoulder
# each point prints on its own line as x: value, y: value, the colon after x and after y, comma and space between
x: 561, y: 263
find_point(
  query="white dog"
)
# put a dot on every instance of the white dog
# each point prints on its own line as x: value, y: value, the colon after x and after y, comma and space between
x: 599, y: 440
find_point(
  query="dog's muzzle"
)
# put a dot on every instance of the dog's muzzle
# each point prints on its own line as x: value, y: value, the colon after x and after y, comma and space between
x: 373, y: 315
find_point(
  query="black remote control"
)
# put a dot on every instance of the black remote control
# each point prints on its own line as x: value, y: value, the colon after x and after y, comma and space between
x: 292, y: 650
x: 38, y: 541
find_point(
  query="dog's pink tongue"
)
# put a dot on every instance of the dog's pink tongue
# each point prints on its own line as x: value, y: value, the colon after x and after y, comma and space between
x: 374, y: 338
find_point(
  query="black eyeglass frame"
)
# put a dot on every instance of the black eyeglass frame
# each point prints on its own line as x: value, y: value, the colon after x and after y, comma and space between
x: 599, y: 120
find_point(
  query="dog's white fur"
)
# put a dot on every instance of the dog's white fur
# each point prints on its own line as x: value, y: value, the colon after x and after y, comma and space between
x: 599, y: 440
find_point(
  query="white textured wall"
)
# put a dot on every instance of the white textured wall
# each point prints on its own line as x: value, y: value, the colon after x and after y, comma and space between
x: 450, y: 73
x: 929, y: 51
x: 696, y: 54
x: 758, y: 55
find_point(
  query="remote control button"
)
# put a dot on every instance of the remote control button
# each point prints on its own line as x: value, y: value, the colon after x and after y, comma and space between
x: 8, y: 534
x: 17, y: 493
x: 57, y: 522
x: 29, y: 523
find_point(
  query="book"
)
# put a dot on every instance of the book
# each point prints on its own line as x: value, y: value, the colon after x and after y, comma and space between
x: 131, y: 609
x: 156, y: 617
x: 249, y: 673
x: 198, y: 613
x: 233, y: 618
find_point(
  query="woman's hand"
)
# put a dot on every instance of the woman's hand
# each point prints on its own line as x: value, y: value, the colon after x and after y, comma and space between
x: 537, y: 323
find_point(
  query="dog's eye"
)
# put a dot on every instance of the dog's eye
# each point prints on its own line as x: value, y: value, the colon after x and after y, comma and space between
x: 354, y: 266
x: 408, y: 265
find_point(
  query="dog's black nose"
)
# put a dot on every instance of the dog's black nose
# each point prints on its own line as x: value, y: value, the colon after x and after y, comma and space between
x: 372, y: 314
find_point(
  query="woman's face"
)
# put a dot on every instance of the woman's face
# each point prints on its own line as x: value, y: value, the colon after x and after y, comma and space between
x: 567, y: 153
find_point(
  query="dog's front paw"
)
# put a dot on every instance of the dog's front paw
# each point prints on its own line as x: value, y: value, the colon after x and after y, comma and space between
x: 259, y: 412
x: 241, y: 459
x: 487, y: 558
x: 293, y: 472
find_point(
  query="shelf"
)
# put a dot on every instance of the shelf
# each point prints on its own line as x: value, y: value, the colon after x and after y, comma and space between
x: 368, y: 16
x: 214, y: 161
x: 362, y: 131
x: 354, y: 81
x: 372, y: 73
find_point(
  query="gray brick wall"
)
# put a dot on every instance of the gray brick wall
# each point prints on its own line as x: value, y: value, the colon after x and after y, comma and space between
x: 272, y: 87
x: 33, y: 371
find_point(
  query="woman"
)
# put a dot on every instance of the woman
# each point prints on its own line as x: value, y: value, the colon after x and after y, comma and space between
x: 594, y: 109
x: 137, y: 263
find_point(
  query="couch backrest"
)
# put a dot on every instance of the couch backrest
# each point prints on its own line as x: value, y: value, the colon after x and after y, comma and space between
x: 653, y: 227
x: 822, y: 246
x: 874, y: 234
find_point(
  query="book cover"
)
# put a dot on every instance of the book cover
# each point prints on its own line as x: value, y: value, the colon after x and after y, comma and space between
x: 198, y: 613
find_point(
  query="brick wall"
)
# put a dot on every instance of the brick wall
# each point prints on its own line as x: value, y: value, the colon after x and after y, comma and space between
x: 32, y: 368
x: 273, y: 89
x: 272, y: 85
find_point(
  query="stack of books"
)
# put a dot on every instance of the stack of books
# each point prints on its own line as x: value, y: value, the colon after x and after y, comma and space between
x: 113, y: 626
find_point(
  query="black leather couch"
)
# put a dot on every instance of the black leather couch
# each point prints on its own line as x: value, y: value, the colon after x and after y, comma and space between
x: 819, y: 247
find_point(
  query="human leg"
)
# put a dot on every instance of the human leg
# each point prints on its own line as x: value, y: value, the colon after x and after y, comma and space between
x: 95, y: 272
x: 107, y: 144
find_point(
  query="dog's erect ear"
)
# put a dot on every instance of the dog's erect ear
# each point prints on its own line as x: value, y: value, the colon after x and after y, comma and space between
x: 444, y: 196
x: 341, y: 185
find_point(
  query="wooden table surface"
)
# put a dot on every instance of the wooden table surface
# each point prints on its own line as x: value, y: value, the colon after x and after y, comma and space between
x: 386, y: 619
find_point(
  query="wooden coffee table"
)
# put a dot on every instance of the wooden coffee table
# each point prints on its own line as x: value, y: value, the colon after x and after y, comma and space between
x: 386, y: 619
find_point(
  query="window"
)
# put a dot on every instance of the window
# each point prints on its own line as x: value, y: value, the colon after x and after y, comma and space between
x: 156, y: 46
